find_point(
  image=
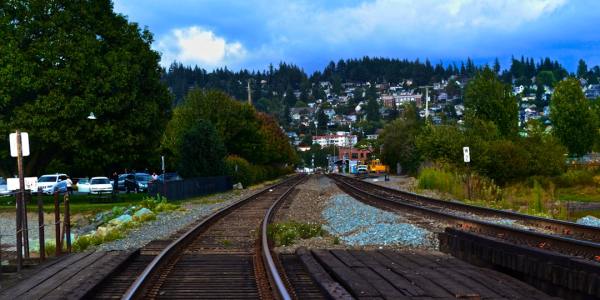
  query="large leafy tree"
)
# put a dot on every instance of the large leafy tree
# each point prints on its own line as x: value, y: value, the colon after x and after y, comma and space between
x: 202, y: 151
x: 399, y: 142
x: 61, y: 60
x: 236, y: 123
x: 488, y: 99
x: 573, y: 120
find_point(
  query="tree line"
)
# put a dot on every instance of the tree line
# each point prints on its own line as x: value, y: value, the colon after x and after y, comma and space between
x: 490, y: 129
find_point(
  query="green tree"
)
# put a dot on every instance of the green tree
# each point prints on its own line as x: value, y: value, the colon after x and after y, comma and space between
x: 399, y: 142
x: 487, y: 98
x: 322, y: 119
x: 582, y: 69
x: 236, y: 123
x: 573, y: 120
x: 61, y: 60
x: 372, y: 110
x: 202, y: 151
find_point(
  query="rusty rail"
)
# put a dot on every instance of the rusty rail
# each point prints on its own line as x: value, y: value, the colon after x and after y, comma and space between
x: 171, y: 251
x: 588, y: 250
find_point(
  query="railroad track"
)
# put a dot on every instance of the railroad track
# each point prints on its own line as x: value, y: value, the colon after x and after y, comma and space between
x: 225, y: 256
x: 567, y: 238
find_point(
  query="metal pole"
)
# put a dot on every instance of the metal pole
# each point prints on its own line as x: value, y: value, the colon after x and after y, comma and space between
x: 19, y: 202
x: 57, y: 224
x: 40, y: 202
x: 67, y: 223
x: 25, y: 226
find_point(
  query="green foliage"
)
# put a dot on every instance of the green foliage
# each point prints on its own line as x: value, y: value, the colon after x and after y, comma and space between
x: 239, y: 170
x: 322, y: 119
x: 488, y: 99
x: 284, y: 234
x: 444, y: 181
x: 158, y: 204
x: 59, y: 61
x: 236, y: 124
x: 575, y: 124
x: 372, y: 110
x: 399, y: 142
x: 573, y: 178
x: 201, y: 151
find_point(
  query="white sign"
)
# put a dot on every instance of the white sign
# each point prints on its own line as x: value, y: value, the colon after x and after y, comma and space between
x: 24, y: 144
x: 12, y: 184
x: 466, y: 154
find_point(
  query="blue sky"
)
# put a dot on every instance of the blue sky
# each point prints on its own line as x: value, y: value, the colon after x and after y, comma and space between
x: 252, y: 34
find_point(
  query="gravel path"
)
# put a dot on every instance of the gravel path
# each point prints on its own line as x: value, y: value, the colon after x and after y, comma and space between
x: 315, y: 202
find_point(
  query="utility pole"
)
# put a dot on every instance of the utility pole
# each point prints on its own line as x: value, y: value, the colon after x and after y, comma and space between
x: 249, y: 93
x: 426, y: 100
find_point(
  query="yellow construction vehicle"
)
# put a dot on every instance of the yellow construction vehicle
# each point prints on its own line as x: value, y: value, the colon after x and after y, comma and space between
x: 375, y: 166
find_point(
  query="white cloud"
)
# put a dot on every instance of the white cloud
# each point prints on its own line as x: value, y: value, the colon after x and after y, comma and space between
x: 197, y: 46
x: 407, y: 18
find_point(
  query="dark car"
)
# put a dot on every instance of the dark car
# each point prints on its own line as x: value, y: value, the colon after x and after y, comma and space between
x: 128, y: 183
x: 142, y: 180
x: 169, y: 177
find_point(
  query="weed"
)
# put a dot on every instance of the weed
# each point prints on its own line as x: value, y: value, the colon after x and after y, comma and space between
x: 336, y: 240
x: 226, y: 243
x: 284, y: 234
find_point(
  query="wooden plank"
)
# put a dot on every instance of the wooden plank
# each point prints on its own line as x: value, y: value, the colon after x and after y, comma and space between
x: 332, y: 288
x: 404, y: 285
x: 413, y: 273
x: 62, y: 276
x: 386, y: 290
x: 86, y: 279
x: 44, y: 274
x: 345, y: 275
x: 347, y: 258
x: 449, y: 283
x: 443, y: 266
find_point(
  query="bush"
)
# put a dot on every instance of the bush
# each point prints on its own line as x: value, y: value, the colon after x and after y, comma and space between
x: 436, y: 179
x: 239, y: 170
x: 284, y: 234
x: 575, y: 178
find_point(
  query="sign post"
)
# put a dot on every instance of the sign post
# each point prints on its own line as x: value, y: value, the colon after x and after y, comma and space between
x: 19, y: 147
x: 467, y: 160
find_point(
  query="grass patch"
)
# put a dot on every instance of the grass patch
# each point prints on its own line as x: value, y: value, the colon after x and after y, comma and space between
x: 284, y: 234
x: 580, y: 193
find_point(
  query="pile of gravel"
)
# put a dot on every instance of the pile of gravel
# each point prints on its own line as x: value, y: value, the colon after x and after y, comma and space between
x: 358, y: 224
x: 589, y: 221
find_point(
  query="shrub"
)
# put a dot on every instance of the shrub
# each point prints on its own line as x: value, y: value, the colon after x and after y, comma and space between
x: 284, y: 234
x: 239, y: 170
x: 575, y: 178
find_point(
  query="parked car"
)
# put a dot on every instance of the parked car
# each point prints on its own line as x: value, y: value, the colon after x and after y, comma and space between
x: 169, y: 177
x: 127, y: 182
x: 100, y: 185
x: 83, y: 185
x: 3, y: 187
x: 53, y: 182
x: 142, y: 180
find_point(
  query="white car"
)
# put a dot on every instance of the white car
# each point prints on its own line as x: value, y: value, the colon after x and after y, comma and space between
x: 53, y: 182
x: 83, y: 185
x: 100, y: 185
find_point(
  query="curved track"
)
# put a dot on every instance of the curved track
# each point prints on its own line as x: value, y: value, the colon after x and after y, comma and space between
x: 225, y: 256
x: 446, y: 211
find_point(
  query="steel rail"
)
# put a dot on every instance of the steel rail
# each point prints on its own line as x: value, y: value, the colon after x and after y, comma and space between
x: 133, y: 292
x: 586, y: 232
x: 586, y: 249
x: 273, y: 272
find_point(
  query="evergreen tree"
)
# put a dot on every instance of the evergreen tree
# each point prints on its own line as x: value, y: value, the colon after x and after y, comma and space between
x: 372, y: 110
x: 322, y: 119
x: 496, y: 66
x: 582, y: 69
